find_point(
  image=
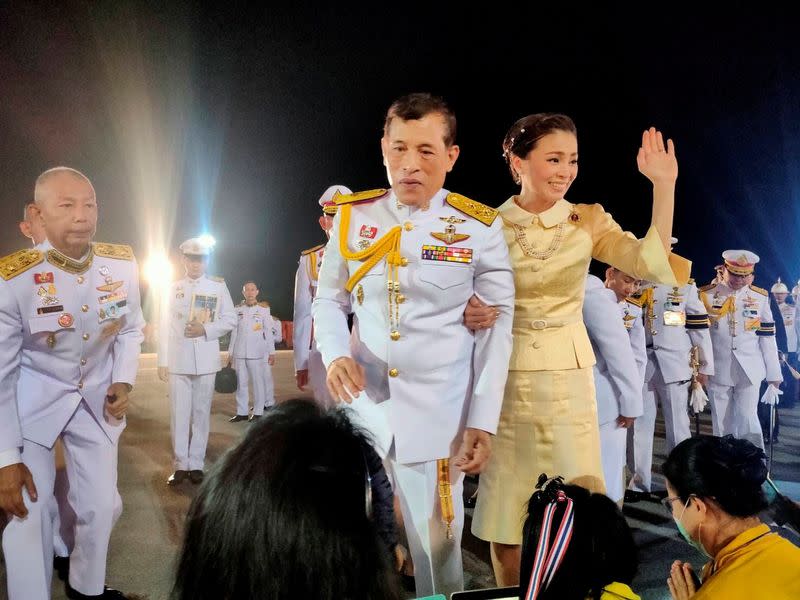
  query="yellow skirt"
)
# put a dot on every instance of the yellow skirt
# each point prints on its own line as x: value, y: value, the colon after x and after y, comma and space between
x: 548, y: 424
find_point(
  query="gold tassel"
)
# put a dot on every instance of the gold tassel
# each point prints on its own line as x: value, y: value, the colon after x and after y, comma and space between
x: 446, y: 495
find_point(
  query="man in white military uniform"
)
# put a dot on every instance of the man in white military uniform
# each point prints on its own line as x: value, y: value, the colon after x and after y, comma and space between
x: 674, y: 321
x: 198, y: 312
x: 71, y: 326
x: 406, y: 261
x: 743, y: 340
x: 308, y: 366
x: 617, y: 380
x: 252, y: 353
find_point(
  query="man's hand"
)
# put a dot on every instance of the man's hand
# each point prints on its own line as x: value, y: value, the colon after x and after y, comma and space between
x: 702, y: 379
x: 625, y: 422
x: 476, y: 448
x: 194, y: 329
x: 302, y: 378
x: 271, y: 360
x: 12, y: 479
x: 682, y: 581
x: 345, y: 379
x: 478, y: 315
x: 163, y: 374
x: 116, y: 403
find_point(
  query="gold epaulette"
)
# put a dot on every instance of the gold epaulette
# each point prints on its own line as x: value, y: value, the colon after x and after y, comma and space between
x: 264, y: 304
x: 705, y: 288
x: 217, y: 279
x: 759, y: 290
x: 118, y: 251
x: 314, y: 249
x: 636, y: 301
x: 476, y: 210
x: 340, y: 199
x: 19, y: 262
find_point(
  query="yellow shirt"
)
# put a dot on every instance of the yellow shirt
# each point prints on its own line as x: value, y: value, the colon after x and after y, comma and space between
x: 755, y: 564
x: 550, y: 253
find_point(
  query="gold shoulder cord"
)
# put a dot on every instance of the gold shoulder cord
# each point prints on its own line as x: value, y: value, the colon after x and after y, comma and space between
x: 648, y: 304
x: 312, y: 266
x: 388, y: 246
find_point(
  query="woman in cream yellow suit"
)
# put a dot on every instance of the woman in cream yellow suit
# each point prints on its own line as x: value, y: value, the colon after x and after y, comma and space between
x: 549, y: 417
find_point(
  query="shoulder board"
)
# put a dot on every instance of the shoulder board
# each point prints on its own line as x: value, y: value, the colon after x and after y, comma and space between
x: 476, y: 210
x: 705, y: 288
x: 19, y: 262
x: 264, y: 304
x: 217, y: 279
x: 340, y: 199
x: 635, y: 300
x: 759, y: 290
x: 314, y: 249
x: 118, y: 251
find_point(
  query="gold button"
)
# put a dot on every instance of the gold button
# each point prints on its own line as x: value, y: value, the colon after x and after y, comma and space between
x: 83, y: 361
x: 400, y: 298
x: 536, y: 344
x: 80, y: 279
x: 393, y: 372
x: 85, y: 308
x: 80, y: 385
x: 404, y: 262
x: 85, y: 336
x: 395, y: 335
x: 408, y: 226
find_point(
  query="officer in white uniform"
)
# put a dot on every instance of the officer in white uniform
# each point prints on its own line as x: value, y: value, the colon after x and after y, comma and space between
x: 617, y: 380
x: 674, y: 321
x: 308, y: 366
x: 743, y: 339
x: 71, y: 325
x: 198, y: 312
x: 252, y: 352
x: 406, y: 261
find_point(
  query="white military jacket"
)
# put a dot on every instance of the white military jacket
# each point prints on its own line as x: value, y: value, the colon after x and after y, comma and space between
x: 208, y: 300
x: 69, y: 330
x: 675, y: 320
x: 617, y: 379
x: 742, y: 332
x: 305, y: 288
x: 789, y: 316
x: 408, y: 330
x: 254, y: 335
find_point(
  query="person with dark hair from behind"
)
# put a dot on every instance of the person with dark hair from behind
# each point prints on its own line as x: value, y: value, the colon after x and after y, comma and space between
x: 263, y: 526
x: 715, y: 496
x: 576, y: 545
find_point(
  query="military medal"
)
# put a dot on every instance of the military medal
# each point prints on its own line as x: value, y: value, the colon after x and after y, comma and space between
x: 360, y: 294
x: 40, y: 278
x: 363, y: 244
x: 449, y: 236
x: 66, y: 320
x: 51, y: 340
x: 368, y: 232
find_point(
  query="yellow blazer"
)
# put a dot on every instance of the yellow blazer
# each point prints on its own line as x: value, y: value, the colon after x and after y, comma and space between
x: 550, y: 253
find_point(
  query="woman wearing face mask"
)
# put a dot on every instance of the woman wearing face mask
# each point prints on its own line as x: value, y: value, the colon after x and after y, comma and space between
x: 549, y: 416
x: 715, y: 496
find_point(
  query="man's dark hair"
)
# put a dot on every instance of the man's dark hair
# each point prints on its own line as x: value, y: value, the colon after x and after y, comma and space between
x: 416, y: 106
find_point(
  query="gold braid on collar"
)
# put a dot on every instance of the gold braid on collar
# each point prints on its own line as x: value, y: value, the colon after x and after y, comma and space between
x: 65, y: 263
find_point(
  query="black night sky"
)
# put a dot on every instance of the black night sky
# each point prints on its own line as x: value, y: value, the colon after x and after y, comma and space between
x: 234, y: 119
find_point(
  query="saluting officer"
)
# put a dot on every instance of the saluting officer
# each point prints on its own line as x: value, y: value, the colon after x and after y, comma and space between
x: 71, y: 325
x: 308, y: 366
x: 406, y: 261
x: 743, y: 340
x: 198, y: 312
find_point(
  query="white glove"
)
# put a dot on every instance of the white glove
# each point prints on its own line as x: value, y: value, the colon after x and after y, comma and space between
x: 771, y: 395
x: 698, y: 398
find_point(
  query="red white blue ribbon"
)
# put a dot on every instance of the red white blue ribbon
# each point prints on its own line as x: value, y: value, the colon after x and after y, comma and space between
x: 547, y: 558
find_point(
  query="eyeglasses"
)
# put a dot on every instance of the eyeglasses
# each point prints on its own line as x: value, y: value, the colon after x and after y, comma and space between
x: 667, y: 502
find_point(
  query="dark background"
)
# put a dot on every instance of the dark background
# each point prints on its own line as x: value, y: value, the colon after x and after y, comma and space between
x: 233, y: 120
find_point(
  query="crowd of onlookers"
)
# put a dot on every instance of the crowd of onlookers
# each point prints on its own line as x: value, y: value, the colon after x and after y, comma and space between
x: 302, y: 508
